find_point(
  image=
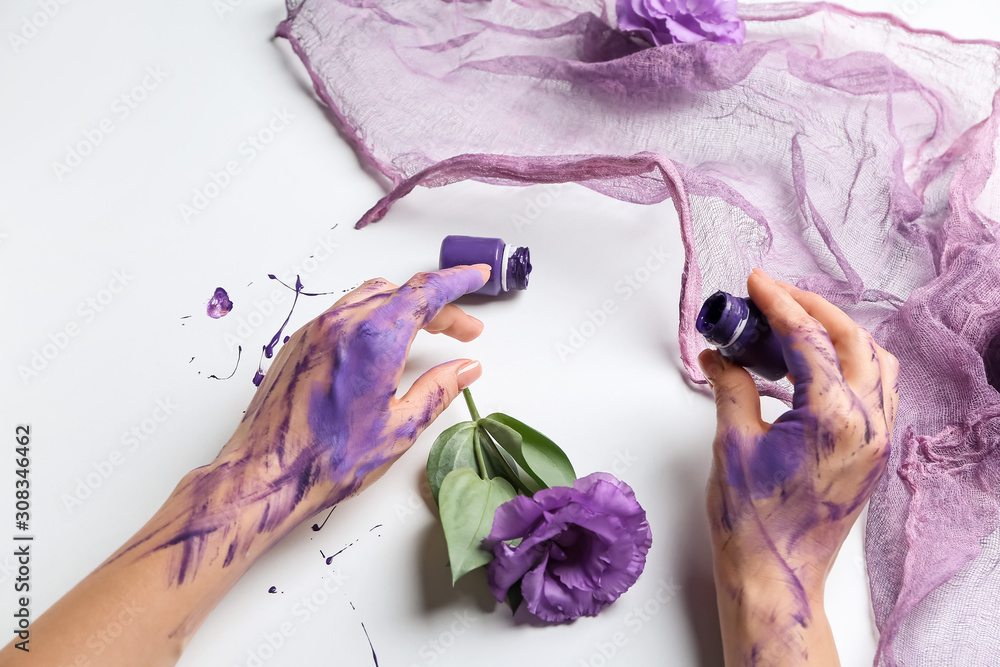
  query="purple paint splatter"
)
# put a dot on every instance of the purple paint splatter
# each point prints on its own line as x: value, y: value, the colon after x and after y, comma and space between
x: 239, y: 353
x: 319, y: 527
x: 374, y: 657
x: 219, y: 305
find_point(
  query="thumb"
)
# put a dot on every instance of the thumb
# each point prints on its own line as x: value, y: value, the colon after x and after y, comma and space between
x: 737, y: 402
x: 435, y: 390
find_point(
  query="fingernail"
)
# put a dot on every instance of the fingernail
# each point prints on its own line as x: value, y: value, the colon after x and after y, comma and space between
x: 711, y: 364
x: 469, y: 373
x: 761, y: 273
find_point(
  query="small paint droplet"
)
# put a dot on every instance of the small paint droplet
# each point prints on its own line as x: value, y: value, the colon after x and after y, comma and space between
x: 272, y: 589
x: 219, y: 305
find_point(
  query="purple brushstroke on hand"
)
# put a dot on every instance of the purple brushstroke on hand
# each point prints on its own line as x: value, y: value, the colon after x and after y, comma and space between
x: 219, y: 305
x: 786, y: 494
x: 323, y: 419
x: 582, y: 547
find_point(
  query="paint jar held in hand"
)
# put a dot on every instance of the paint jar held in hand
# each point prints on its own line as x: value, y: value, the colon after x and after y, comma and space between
x: 742, y: 334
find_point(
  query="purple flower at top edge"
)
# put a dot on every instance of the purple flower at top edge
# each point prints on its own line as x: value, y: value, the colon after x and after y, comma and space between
x: 581, y: 547
x: 679, y: 21
x: 219, y: 305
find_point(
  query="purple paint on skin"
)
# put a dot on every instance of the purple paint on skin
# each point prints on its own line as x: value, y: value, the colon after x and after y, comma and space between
x: 230, y: 554
x: 219, y: 305
x: 759, y: 468
x: 769, y: 462
x: 272, y: 589
x: 776, y: 487
x: 347, y: 436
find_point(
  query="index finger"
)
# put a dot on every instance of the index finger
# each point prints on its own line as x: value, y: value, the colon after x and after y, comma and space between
x: 435, y: 289
x: 856, y: 349
x: 809, y: 352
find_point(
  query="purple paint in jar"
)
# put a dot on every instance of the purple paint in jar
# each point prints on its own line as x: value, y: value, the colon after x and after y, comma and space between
x: 509, y: 264
x: 742, y: 334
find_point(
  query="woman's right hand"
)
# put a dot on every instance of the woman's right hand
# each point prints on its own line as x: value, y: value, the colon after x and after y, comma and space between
x: 782, y: 497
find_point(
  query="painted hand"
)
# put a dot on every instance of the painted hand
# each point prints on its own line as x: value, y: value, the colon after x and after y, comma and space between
x: 782, y: 497
x: 326, y: 421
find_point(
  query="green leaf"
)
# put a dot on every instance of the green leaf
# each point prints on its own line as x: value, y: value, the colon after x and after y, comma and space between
x: 543, y: 459
x: 467, y: 505
x: 510, y: 441
x: 452, y: 449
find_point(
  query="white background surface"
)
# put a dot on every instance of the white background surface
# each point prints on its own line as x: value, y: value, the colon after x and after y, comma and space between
x: 618, y: 403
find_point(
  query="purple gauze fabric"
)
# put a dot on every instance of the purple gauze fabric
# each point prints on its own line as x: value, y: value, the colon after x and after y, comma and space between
x: 841, y: 152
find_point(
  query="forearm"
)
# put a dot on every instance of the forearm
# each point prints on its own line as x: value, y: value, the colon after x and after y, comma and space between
x: 123, y: 614
x: 769, y: 621
x: 132, y: 610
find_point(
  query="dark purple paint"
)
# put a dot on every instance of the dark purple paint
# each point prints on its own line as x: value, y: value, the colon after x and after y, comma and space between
x: 374, y: 657
x: 268, y: 350
x: 742, y: 334
x: 319, y: 527
x: 239, y: 353
x: 991, y: 363
x: 329, y: 559
x: 219, y: 305
x: 504, y: 276
x: 301, y: 293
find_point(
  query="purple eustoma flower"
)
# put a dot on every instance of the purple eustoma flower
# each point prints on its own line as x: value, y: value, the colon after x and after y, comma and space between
x: 581, y: 547
x: 673, y: 21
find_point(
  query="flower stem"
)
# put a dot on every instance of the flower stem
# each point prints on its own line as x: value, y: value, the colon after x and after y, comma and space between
x: 472, y: 405
x: 508, y: 473
x: 477, y: 447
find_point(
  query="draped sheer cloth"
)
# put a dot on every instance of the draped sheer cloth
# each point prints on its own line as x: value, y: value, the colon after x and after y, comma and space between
x: 843, y: 152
